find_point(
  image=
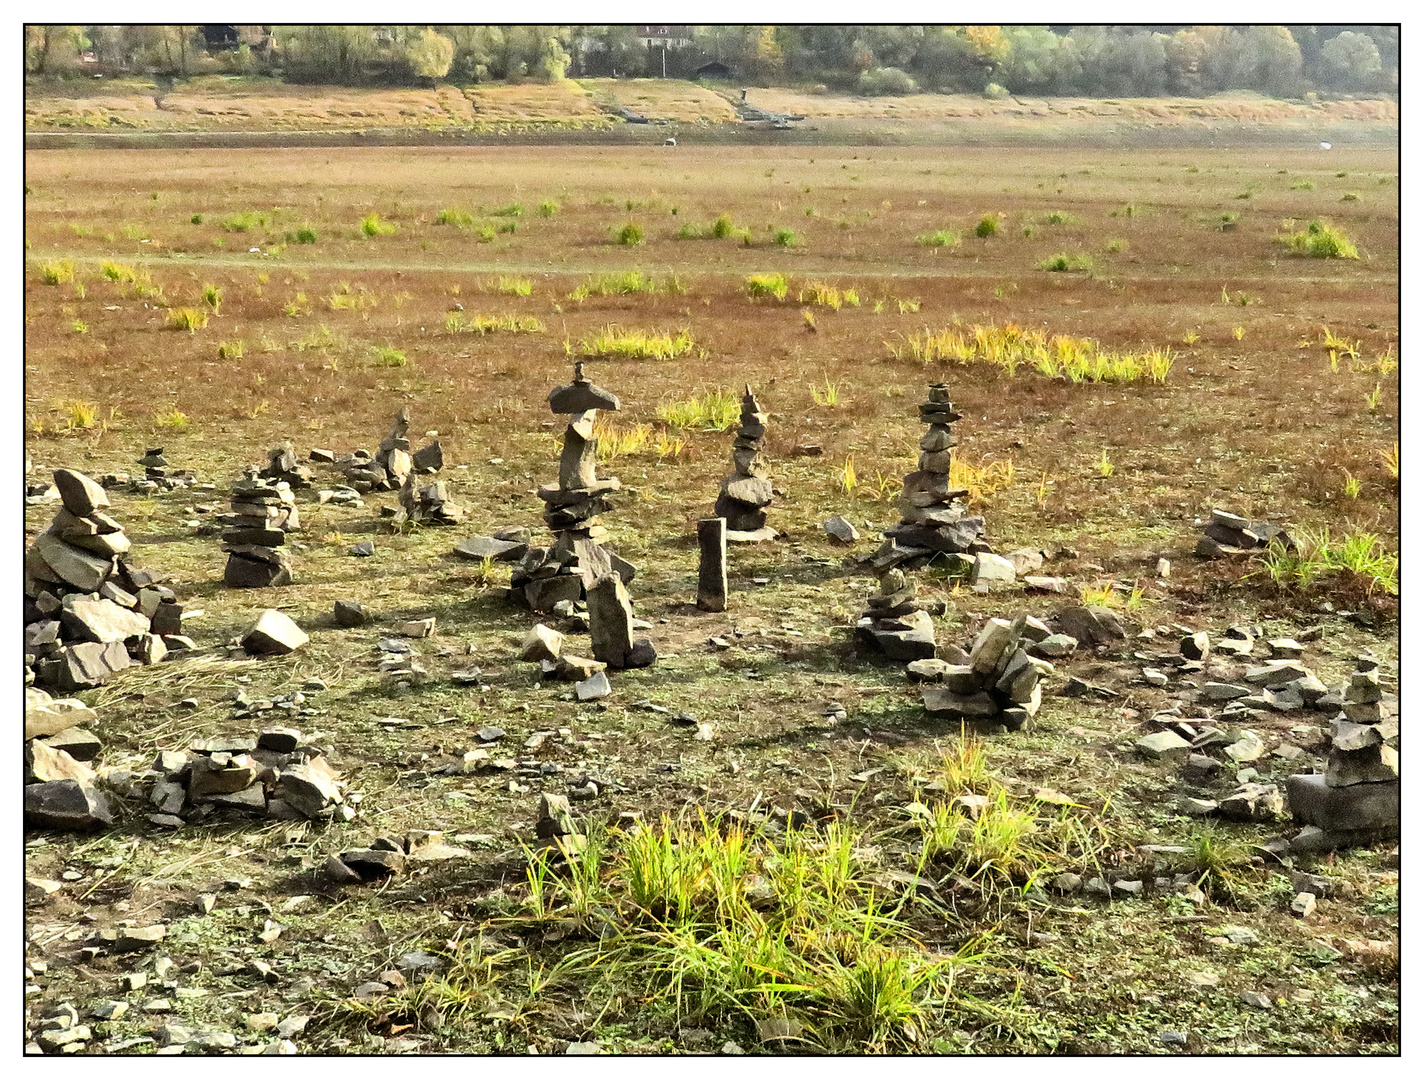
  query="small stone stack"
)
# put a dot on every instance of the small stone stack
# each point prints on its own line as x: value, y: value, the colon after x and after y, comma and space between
x: 1357, y: 798
x: 263, y: 512
x: 935, y: 516
x: 1230, y: 534
x: 388, y: 469
x: 60, y: 785
x: 428, y: 504
x: 578, y: 557
x: 746, y: 491
x: 896, y: 623
x: 1001, y: 684
x: 88, y: 613
x: 158, y: 474
x: 282, y: 465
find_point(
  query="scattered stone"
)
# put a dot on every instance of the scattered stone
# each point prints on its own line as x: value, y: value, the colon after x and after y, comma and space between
x: 480, y: 548
x: 991, y: 568
x: 1303, y: 905
x: 1253, y: 802
x: 1256, y: 999
x: 417, y: 628
x: 1196, y: 646
x: 841, y: 530
x: 594, y: 687
x: 1090, y: 626
x: 66, y: 804
x: 348, y: 613
x: 1164, y: 745
x: 365, y: 549
x: 273, y: 634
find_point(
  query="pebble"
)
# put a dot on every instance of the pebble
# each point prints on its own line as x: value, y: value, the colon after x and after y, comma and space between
x: 1256, y: 999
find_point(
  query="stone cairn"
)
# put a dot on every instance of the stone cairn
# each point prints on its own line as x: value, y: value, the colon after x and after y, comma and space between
x: 61, y: 788
x: 263, y: 512
x: 282, y: 465
x: 578, y: 558
x: 896, y: 623
x: 935, y: 516
x: 88, y: 613
x: 1001, y: 683
x: 746, y: 491
x: 1357, y: 798
x: 388, y: 469
x: 158, y: 474
x: 428, y: 504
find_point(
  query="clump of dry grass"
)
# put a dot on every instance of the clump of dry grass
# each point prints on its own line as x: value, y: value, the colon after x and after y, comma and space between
x: 1009, y: 347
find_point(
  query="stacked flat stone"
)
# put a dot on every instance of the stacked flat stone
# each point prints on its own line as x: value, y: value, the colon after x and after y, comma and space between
x: 429, y: 504
x: 88, y: 613
x: 282, y: 465
x: 896, y: 623
x: 746, y: 490
x: 1226, y: 533
x: 159, y: 475
x: 263, y: 512
x: 578, y: 558
x: 393, y: 461
x: 1001, y: 684
x: 1357, y: 798
x: 935, y: 517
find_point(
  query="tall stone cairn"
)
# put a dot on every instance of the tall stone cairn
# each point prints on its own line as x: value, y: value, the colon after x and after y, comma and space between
x: 935, y: 517
x: 1357, y: 798
x: 263, y: 512
x: 88, y: 612
x: 746, y: 491
x: 578, y: 558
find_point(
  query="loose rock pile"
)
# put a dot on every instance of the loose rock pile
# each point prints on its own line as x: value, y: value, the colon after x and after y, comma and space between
x: 428, y: 504
x: 393, y: 462
x: 1000, y: 684
x: 746, y: 491
x: 88, y: 613
x: 1357, y: 799
x: 935, y: 516
x: 545, y: 647
x: 578, y: 557
x: 896, y: 623
x: 263, y: 512
x: 276, y: 774
x: 1230, y: 534
x: 387, y: 857
x: 282, y: 465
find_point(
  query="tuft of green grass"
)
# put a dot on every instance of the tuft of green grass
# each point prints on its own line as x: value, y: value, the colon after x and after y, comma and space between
x: 57, y: 271
x: 621, y: 283
x: 230, y: 350
x: 196, y: 219
x: 1313, y: 557
x: 1063, y: 262
x: 212, y: 296
x: 786, y: 238
x: 633, y: 344
x: 1115, y: 246
x: 389, y: 356
x: 512, y: 210
x: 489, y: 324
x: 828, y: 396
x: 80, y: 415
x: 764, y: 285
x: 513, y: 286
x: 548, y: 208
x: 988, y: 226
x: 304, y: 235
x: 372, y: 226
x: 1104, y: 466
x: 172, y: 419
x: 189, y: 319
x: 1059, y: 217
x: 630, y: 235
x: 714, y: 410
x: 449, y: 215
x: 243, y: 222
x: 1320, y: 240
x: 1350, y: 196
x: 942, y: 238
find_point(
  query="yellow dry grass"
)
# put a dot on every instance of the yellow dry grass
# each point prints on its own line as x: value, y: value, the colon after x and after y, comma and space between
x: 663, y: 99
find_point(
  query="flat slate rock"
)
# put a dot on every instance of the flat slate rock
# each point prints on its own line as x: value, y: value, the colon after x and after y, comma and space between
x: 66, y: 804
x: 81, y: 495
x: 489, y: 547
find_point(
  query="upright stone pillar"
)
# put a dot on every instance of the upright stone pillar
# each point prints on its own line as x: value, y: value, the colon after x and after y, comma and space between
x: 712, y: 564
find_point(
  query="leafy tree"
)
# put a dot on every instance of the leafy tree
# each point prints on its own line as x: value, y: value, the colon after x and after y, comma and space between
x: 947, y: 60
x: 430, y: 55
x: 53, y: 49
x: 1351, y: 61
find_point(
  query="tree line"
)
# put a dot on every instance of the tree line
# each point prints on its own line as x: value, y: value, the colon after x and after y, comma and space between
x: 1089, y: 61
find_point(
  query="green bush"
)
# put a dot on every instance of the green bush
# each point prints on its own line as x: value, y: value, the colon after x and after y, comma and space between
x: 1320, y: 240
x: 942, y: 238
x: 629, y: 235
x: 1063, y: 262
x: 372, y: 225
x: 988, y: 226
x: 885, y: 82
x: 786, y: 238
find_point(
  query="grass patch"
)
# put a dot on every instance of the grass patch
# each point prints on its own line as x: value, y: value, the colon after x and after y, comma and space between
x: 57, y: 271
x: 1063, y: 262
x: 1320, y: 240
x: 513, y: 286
x: 389, y: 356
x: 304, y: 235
x: 186, y: 318
x: 548, y: 208
x: 767, y: 285
x: 988, y: 226
x: 512, y: 210
x: 622, y: 283
x: 372, y: 225
x: 940, y: 239
x: 212, y: 296
x: 632, y: 344
x: 1059, y: 217
x: 243, y: 222
x: 172, y: 419
x: 457, y: 323
x: 461, y: 219
x: 630, y: 235
x: 715, y: 410
x: 1314, y: 558
x: 1010, y: 347
x: 786, y: 238
x: 231, y: 350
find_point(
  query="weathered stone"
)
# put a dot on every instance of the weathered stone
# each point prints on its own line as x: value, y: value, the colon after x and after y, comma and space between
x: 594, y: 687
x: 913, y: 639
x: 348, y: 613
x: 371, y: 864
x: 841, y: 530
x: 1248, y: 747
x: 82, y: 569
x: 309, y: 791
x: 242, y: 572
x: 79, y: 744
x: 1025, y: 560
x: 1053, y: 647
x: 556, y: 817
x: 1372, y: 764
x: 100, y: 620
x: 1164, y: 745
x: 45, y: 763
x: 1253, y: 802
x: 86, y: 665
x: 930, y: 670
x: 996, y: 639
x: 1285, y: 648
x: 1036, y: 583
x: 428, y: 458
x: 1364, y: 688
x: 50, y: 717
x: 80, y: 494
x: 541, y: 643
x: 66, y: 804
x: 712, y: 564
x: 992, y: 569
x: 979, y: 706
x: 610, y: 619
x: 641, y: 655
x: 1217, y: 691
x: 572, y: 668
x: 417, y: 628
x: 1276, y: 674
x: 489, y: 547
x: 1091, y: 625
x: 212, y: 776
x: 273, y: 634
x: 1358, y: 808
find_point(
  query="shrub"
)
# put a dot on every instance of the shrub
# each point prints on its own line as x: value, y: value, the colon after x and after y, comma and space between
x: 885, y: 82
x: 189, y: 319
x: 304, y: 235
x: 372, y: 225
x: 762, y: 285
x: 942, y: 238
x: 722, y: 227
x: 785, y: 238
x: 1320, y: 240
x: 548, y: 208
x: 1064, y: 262
x: 995, y: 92
x: 508, y: 226
x: 57, y: 271
x: 196, y: 219
x: 629, y: 235
x: 988, y: 226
